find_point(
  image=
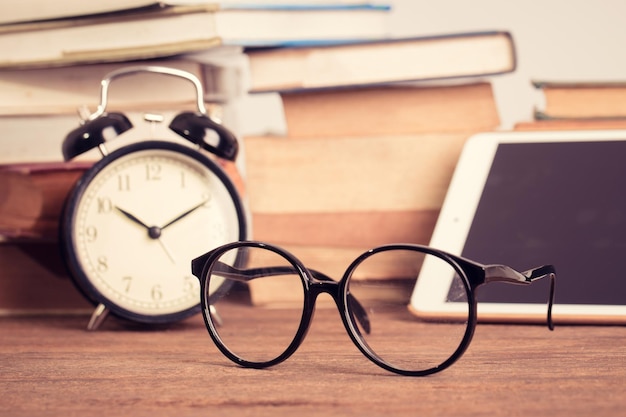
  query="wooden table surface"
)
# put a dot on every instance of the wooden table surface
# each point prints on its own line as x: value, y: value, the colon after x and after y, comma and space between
x: 51, y: 366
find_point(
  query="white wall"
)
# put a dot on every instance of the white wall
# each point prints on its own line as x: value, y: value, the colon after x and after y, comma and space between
x: 575, y: 40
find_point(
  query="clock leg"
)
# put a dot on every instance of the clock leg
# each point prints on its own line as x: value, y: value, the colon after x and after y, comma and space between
x: 97, y: 317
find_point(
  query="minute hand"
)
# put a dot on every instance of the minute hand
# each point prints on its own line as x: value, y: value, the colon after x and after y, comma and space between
x: 191, y: 210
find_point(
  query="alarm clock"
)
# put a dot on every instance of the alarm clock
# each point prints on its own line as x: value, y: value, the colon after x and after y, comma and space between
x: 135, y: 219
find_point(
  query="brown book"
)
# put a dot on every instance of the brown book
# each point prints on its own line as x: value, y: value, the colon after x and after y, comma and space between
x: 345, y: 229
x: 354, y: 174
x: 32, y: 198
x: 387, y: 110
x: 577, y: 100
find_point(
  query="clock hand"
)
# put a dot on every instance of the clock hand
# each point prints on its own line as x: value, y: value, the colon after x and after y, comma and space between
x: 153, y: 231
x: 167, y: 251
x: 191, y: 210
x: 132, y: 217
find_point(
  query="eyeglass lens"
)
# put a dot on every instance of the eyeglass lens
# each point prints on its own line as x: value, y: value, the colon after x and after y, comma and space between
x: 246, y: 326
x: 381, y: 286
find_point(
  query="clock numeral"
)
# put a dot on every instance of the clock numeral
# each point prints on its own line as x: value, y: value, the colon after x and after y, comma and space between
x: 127, y: 281
x: 104, y: 205
x: 103, y: 264
x: 123, y: 183
x: 91, y: 233
x: 156, y: 293
x: 188, y: 284
x: 182, y: 179
x: 153, y: 172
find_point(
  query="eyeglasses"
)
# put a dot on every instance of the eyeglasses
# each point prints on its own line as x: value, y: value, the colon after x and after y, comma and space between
x: 372, y: 297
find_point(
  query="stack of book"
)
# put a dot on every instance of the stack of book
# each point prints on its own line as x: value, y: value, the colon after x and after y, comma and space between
x: 371, y: 126
x: 54, y: 55
x: 371, y: 142
x: 73, y: 32
x: 578, y: 105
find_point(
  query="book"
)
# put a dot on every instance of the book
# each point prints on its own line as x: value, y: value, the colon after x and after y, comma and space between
x: 359, y: 192
x: 33, y: 278
x: 396, y: 109
x: 590, y: 100
x: 572, y: 124
x: 40, y: 106
x: 63, y: 90
x: 34, y: 10
x: 382, y: 61
x: 167, y: 30
x: 367, y: 228
x: 32, y: 197
x: 328, y: 175
x: 37, y: 138
x: 359, y: 167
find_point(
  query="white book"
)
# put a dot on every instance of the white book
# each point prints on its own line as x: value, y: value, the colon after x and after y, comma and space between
x: 169, y: 30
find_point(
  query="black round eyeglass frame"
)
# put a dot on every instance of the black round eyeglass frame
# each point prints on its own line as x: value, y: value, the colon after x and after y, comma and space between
x: 471, y: 273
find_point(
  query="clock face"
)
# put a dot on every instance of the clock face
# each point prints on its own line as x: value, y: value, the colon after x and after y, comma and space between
x: 137, y: 219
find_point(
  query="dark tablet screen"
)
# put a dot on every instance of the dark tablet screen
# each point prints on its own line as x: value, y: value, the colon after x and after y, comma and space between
x: 562, y: 203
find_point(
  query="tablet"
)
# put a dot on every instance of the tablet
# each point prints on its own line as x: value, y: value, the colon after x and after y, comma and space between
x: 525, y: 199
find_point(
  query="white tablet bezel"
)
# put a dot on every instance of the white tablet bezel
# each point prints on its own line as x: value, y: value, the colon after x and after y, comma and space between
x: 429, y: 296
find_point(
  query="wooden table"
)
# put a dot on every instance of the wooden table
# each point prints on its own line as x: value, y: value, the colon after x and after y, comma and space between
x: 51, y: 366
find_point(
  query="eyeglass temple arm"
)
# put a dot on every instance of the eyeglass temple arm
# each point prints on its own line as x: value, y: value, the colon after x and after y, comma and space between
x: 503, y: 273
x: 245, y: 275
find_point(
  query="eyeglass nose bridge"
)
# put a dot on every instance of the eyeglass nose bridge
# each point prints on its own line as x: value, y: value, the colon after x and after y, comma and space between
x: 321, y: 283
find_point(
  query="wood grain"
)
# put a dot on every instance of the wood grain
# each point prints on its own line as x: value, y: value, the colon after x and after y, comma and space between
x: 52, y: 366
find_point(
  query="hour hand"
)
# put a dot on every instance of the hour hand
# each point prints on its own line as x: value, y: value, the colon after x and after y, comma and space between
x: 132, y: 217
x: 153, y: 231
